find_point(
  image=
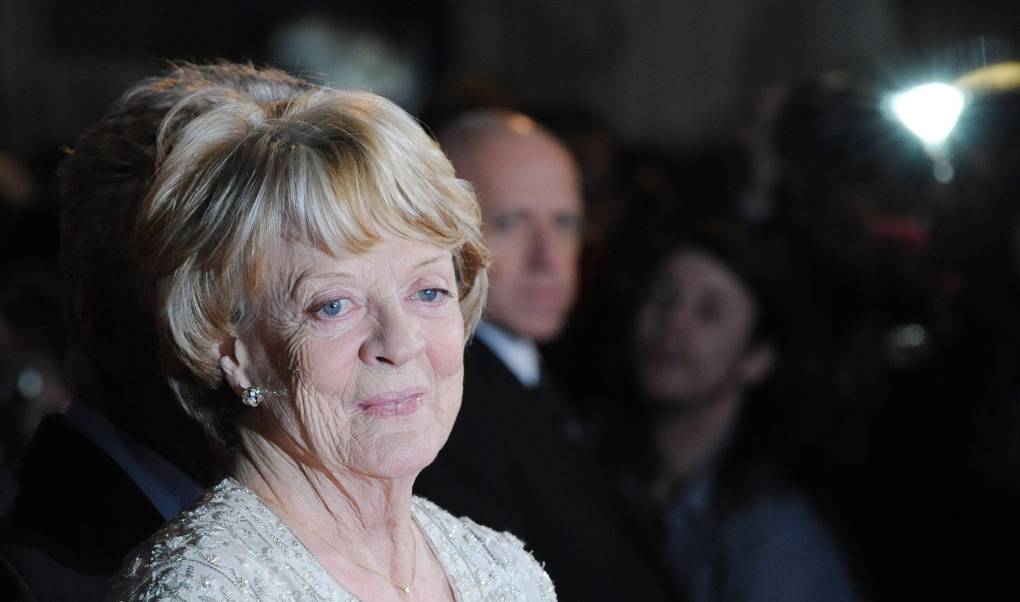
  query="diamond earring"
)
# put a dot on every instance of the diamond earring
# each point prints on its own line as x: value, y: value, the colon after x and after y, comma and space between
x: 251, y: 396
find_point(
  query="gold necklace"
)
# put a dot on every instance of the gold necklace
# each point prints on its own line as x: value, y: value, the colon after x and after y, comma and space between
x: 414, y: 548
x: 414, y: 565
x: 414, y: 558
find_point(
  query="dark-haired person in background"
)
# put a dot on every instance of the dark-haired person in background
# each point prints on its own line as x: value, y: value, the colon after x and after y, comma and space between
x: 701, y: 328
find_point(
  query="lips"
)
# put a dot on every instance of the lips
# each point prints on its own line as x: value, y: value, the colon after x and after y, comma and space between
x: 393, y: 403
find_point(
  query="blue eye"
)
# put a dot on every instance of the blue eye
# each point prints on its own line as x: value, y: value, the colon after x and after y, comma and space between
x: 431, y: 295
x: 335, y: 307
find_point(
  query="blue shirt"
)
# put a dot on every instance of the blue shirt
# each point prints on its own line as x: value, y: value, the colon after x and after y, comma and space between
x: 774, y: 548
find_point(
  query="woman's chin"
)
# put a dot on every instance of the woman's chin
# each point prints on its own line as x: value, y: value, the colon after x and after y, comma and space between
x: 400, y: 455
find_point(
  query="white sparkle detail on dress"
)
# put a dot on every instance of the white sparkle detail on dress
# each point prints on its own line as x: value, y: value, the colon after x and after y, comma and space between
x: 231, y: 546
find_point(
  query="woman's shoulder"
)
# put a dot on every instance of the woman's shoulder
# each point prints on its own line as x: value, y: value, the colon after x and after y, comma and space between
x: 227, y: 546
x: 481, y: 562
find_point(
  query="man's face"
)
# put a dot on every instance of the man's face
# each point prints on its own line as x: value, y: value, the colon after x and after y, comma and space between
x: 529, y: 191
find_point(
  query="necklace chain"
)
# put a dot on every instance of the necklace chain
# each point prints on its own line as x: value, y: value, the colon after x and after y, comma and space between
x: 414, y: 558
x: 414, y: 564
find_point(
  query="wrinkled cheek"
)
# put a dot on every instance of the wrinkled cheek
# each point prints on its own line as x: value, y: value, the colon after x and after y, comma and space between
x: 451, y: 389
x: 318, y: 381
x: 320, y: 366
x: 446, y: 356
x: 445, y: 346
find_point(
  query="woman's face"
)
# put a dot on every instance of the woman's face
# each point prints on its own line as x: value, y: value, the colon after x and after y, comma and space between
x: 367, y: 353
x: 693, y: 330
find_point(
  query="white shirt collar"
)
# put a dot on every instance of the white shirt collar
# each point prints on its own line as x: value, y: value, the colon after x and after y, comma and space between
x: 518, y: 354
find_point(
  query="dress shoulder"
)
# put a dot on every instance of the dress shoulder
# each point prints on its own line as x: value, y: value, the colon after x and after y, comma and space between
x: 228, y: 547
x: 482, y: 563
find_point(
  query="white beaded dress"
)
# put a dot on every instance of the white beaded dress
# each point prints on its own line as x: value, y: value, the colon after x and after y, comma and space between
x: 232, y: 547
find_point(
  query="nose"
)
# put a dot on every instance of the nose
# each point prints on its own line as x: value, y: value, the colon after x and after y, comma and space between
x: 547, y: 249
x: 677, y: 317
x: 395, y: 340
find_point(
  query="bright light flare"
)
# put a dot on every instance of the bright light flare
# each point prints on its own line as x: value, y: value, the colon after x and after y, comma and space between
x: 929, y: 111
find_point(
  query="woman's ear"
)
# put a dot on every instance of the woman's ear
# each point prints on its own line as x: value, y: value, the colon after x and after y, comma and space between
x: 758, y: 363
x: 235, y: 362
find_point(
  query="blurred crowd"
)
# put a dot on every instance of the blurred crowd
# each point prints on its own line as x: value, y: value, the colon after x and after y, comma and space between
x: 793, y: 330
x: 885, y: 297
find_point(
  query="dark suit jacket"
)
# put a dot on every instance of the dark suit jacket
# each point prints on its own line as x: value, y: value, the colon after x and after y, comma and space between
x: 75, y: 517
x: 508, y: 465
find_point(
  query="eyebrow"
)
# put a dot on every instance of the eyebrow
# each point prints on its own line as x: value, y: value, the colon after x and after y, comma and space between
x: 431, y: 260
x: 306, y: 277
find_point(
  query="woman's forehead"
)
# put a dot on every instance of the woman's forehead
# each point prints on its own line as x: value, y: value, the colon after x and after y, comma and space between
x: 296, y: 261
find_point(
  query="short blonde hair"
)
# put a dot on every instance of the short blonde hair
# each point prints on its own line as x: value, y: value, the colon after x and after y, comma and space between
x: 330, y: 168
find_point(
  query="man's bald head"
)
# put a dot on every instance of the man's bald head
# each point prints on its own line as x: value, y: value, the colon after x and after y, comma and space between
x: 529, y: 190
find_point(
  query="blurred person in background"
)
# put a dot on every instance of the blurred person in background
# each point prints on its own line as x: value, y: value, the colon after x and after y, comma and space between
x: 125, y: 458
x: 534, y: 478
x: 699, y: 449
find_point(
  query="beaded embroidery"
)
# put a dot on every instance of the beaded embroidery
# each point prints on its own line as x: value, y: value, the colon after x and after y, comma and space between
x: 232, y: 547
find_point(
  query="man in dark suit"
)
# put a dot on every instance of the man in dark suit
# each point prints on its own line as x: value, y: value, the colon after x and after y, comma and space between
x: 125, y: 458
x: 512, y: 461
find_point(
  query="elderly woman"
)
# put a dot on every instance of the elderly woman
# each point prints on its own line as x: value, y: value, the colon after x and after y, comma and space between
x: 318, y: 268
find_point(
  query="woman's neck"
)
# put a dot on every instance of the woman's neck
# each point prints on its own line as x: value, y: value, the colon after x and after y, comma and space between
x: 350, y: 522
x: 687, y: 437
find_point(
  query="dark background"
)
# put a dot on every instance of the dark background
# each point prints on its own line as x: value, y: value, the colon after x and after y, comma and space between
x: 664, y: 72
x: 921, y: 464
